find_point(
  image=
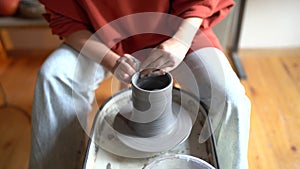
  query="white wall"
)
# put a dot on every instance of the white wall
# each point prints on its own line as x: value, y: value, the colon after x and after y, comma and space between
x: 271, y: 24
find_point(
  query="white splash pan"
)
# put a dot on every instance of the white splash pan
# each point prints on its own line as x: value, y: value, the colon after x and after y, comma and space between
x: 106, y: 151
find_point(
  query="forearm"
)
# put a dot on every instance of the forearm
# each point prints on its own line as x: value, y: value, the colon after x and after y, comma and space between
x: 93, y: 48
x: 187, y: 30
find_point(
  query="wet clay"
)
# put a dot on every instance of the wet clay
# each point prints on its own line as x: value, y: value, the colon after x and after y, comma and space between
x: 152, y: 112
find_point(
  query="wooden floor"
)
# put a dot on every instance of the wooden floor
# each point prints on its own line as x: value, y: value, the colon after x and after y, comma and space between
x: 273, y: 85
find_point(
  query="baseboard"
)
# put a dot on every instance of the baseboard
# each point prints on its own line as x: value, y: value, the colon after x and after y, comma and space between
x: 266, y: 52
x: 29, y: 52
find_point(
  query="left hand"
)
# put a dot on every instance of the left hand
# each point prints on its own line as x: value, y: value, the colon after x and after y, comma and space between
x: 167, y: 56
x: 125, y: 67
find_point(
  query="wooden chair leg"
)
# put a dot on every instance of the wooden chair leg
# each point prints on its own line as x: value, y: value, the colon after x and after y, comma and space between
x: 5, y: 44
x: 3, y: 55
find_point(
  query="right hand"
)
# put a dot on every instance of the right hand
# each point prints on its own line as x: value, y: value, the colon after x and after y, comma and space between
x: 125, y: 67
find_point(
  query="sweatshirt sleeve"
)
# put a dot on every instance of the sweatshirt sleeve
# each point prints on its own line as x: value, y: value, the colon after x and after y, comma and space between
x: 64, y: 21
x: 211, y: 11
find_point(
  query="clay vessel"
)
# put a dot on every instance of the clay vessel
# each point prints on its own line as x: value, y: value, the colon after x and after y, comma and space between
x: 152, y: 105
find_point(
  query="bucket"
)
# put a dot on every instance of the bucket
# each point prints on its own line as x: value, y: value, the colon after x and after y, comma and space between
x: 178, y: 161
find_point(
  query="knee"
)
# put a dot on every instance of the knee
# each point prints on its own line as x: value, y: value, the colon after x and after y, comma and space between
x: 59, y: 64
x: 238, y: 104
x: 230, y: 98
x: 51, y: 73
x: 47, y: 72
x: 235, y: 92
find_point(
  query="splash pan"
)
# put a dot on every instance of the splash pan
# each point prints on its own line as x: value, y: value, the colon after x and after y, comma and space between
x: 107, y: 151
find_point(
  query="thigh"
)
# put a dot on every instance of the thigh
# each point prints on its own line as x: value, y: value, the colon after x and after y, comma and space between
x: 208, y: 75
x: 63, y: 94
x: 73, y: 68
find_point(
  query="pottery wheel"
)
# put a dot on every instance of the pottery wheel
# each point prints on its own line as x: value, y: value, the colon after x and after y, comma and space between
x: 131, y: 145
x: 178, y: 132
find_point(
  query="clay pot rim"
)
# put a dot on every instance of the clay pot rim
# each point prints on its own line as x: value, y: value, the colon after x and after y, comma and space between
x: 134, y: 85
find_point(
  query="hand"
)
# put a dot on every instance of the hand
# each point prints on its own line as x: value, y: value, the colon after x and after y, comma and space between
x: 167, y: 56
x: 125, y: 67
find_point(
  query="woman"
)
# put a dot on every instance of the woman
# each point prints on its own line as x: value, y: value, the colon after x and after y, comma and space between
x: 171, y: 35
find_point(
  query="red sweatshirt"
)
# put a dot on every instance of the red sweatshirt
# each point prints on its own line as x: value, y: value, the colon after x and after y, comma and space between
x: 139, y: 31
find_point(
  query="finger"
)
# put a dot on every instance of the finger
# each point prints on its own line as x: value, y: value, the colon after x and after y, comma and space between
x: 130, y: 60
x: 164, y: 57
x: 160, y: 62
x: 166, y: 64
x: 123, y: 76
x: 152, y: 73
x: 167, y: 67
x: 128, y: 69
x: 146, y: 72
x: 153, y: 56
x: 157, y: 72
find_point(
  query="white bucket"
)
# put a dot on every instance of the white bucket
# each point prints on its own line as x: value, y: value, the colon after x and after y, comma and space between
x: 178, y: 161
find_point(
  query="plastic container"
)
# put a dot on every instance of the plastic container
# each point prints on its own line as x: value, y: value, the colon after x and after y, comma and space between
x: 178, y: 161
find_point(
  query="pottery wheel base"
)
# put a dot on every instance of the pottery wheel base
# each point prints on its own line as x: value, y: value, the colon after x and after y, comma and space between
x: 165, y: 141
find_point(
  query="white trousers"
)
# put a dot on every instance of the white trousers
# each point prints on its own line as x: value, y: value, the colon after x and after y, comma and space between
x: 65, y: 90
